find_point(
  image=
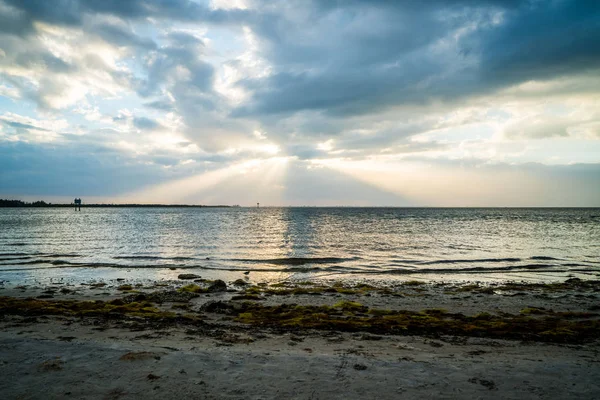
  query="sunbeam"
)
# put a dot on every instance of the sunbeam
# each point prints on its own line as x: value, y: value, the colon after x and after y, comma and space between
x: 246, y: 181
x: 446, y: 186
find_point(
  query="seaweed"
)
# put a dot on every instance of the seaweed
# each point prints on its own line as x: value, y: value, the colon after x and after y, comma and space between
x: 115, y: 308
x: 352, y: 317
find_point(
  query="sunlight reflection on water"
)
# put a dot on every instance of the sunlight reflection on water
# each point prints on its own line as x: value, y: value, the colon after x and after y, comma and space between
x: 278, y: 243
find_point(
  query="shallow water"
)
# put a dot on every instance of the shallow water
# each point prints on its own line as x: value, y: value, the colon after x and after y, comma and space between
x: 274, y: 243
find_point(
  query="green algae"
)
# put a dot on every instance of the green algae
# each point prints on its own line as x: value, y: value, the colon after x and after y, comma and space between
x: 350, y: 306
x: 29, y: 306
x: 532, y: 310
x: 413, y: 283
x: 191, y: 288
x: 351, y: 316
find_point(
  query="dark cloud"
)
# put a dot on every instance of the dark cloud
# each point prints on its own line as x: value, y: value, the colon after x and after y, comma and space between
x: 72, y: 12
x: 362, y: 56
x: 542, y: 40
x: 59, y: 170
x: 121, y: 36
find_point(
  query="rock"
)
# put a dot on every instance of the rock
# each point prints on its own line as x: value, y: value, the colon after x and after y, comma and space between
x: 240, y: 282
x: 152, y: 377
x: 171, y: 296
x: 219, y: 307
x: 246, y: 273
x: 131, y: 299
x: 188, y: 276
x: 217, y: 286
x: 360, y: 367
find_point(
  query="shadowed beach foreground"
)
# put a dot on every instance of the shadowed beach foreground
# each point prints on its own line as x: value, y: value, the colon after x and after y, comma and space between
x: 211, y: 339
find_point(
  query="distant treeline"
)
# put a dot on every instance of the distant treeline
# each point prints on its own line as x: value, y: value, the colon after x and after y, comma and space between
x: 41, y: 203
x: 20, y: 203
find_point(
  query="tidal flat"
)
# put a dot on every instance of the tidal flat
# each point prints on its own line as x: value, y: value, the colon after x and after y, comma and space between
x: 299, y: 339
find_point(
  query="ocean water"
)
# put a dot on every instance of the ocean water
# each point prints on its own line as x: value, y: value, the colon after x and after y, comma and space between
x: 447, y: 244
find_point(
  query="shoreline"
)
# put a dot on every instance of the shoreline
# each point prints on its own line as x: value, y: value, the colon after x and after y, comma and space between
x: 301, y: 340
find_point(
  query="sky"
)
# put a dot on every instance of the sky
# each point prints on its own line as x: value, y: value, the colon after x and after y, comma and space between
x: 301, y: 102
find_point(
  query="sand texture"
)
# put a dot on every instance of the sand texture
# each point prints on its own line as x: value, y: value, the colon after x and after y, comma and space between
x: 103, y: 341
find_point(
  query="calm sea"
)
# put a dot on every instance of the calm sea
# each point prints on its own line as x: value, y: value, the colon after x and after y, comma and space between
x: 299, y: 243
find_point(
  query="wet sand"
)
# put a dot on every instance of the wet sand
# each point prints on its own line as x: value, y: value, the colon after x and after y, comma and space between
x: 240, y: 342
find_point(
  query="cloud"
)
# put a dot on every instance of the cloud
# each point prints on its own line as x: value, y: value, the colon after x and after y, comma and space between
x: 73, y: 12
x: 144, y: 123
x: 361, y: 57
x: 122, y: 36
x: 540, y: 41
x: 176, y: 87
x: 20, y: 125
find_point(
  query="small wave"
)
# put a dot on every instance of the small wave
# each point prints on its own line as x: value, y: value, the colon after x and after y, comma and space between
x: 11, y: 258
x: 303, y: 269
x: 507, y: 269
x: 27, y: 262
x: 544, y: 258
x: 296, y: 260
x: 111, y: 265
x: 60, y: 255
x: 480, y: 260
x: 151, y: 258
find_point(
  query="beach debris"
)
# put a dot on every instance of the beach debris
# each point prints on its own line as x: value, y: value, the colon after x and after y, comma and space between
x: 188, y: 276
x: 247, y: 272
x: 476, y: 352
x: 228, y: 338
x: 484, y: 382
x: 434, y: 344
x: 359, y: 367
x: 152, y: 377
x: 114, y: 394
x: 55, y: 364
x: 247, y: 297
x: 139, y: 355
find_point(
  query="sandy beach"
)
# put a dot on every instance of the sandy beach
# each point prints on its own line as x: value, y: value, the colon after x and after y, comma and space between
x: 306, y: 340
